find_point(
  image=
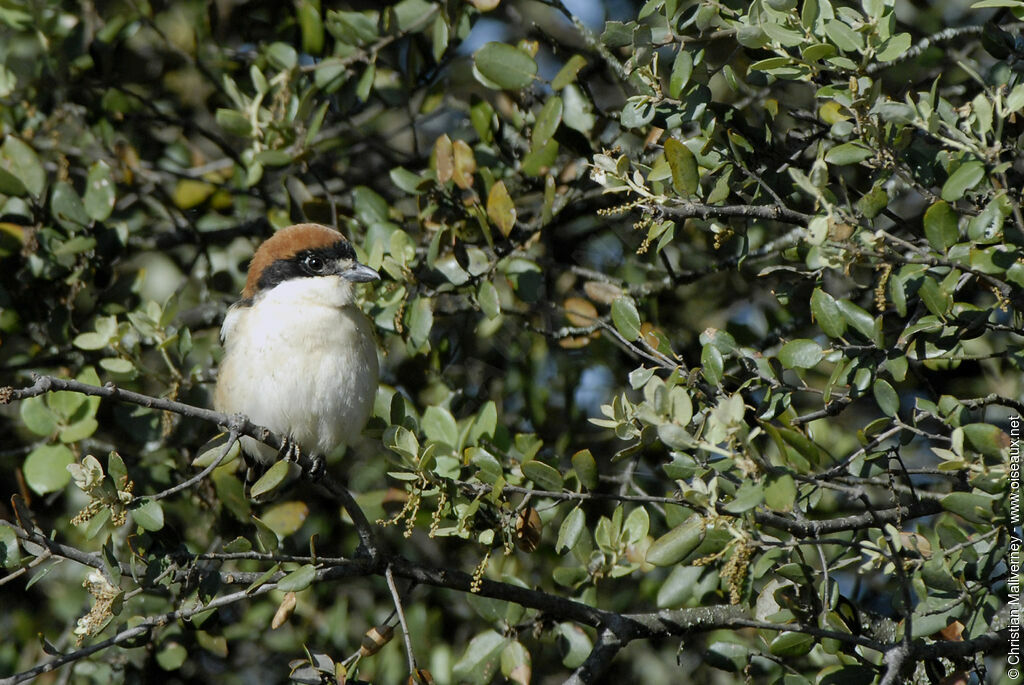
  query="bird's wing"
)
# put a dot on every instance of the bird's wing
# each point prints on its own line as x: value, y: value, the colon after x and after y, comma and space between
x: 231, y: 318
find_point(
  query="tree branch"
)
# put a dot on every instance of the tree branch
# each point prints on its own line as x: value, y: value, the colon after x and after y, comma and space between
x: 696, y: 210
x: 608, y: 645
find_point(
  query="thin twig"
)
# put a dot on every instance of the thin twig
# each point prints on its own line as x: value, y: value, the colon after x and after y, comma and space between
x: 401, y: 619
x: 184, y: 485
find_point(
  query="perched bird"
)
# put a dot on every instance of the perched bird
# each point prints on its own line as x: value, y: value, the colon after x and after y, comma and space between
x: 299, y: 357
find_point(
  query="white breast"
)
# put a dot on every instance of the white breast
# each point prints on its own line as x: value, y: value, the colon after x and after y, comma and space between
x: 300, y: 364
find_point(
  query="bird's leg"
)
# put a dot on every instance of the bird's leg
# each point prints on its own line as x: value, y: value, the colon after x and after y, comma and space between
x: 290, y: 451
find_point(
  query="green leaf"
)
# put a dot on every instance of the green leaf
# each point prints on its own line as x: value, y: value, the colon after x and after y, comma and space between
x: 80, y: 430
x: 285, y: 518
x: 231, y: 493
x: 487, y: 298
x: 935, y: 297
x: 37, y: 417
x: 548, y: 119
x: 574, y: 644
x: 11, y: 184
x: 859, y: 319
x: 500, y: 208
x: 171, y: 656
x: 77, y: 245
x: 617, y: 34
x: 67, y: 207
x: 515, y: 663
x: 800, y: 354
x: 570, y: 530
x: 626, y: 318
x: 544, y: 477
x: 853, y: 152
x: 986, y: 227
x: 782, y: 35
x: 311, y: 25
x: 567, y: 74
x: 272, y: 479
x: 886, y: 397
x: 844, y: 37
x: 967, y: 175
x: 711, y: 364
x: 234, y: 122
x: 637, y: 112
x: 479, y: 662
x: 46, y: 468
x: 893, y: 47
x: 1015, y: 100
x: 986, y: 4
x: 20, y: 161
x: 99, y: 192
x: 750, y: 495
x: 282, y: 56
x: 683, y: 163
x: 682, y: 69
x: 818, y: 52
x: 679, y: 586
x: 505, y: 66
x: 238, y: 545
x: 941, y: 226
x: 780, y: 493
x: 970, y: 506
x: 298, y: 580
x: 827, y: 313
x: 750, y: 36
x: 118, y: 366
x: 353, y: 28
x: 419, y: 322
x: 986, y: 438
x: 846, y: 675
x: 873, y: 202
x: 586, y: 469
x: 727, y: 656
x: 788, y: 644
x: 10, y: 554
x: 438, y: 424
x: 365, y: 83
x: 273, y: 158
x: 91, y: 341
x: 676, y: 545
x: 149, y: 515
x: 681, y: 405
x: 484, y: 424
x: 636, y: 526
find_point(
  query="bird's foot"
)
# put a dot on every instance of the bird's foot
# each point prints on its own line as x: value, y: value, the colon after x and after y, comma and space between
x: 290, y: 451
x: 317, y: 468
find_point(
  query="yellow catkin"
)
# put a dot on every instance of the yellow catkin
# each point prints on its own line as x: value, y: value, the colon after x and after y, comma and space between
x: 478, y: 573
x: 880, y: 299
x: 435, y: 518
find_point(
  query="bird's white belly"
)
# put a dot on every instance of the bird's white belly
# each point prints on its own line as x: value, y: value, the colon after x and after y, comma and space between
x: 306, y: 372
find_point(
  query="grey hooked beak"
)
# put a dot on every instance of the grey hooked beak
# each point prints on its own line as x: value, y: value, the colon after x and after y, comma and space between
x: 360, y: 273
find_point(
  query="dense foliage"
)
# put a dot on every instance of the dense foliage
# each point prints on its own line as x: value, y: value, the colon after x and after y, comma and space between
x: 701, y: 331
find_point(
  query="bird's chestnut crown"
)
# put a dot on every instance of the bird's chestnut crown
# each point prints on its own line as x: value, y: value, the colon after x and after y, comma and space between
x: 304, y: 251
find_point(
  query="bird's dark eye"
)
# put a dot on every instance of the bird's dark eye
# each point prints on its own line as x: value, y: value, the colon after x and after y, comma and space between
x: 314, y: 264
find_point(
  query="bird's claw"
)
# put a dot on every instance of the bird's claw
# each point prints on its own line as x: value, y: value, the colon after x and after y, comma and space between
x: 317, y: 468
x: 290, y: 451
